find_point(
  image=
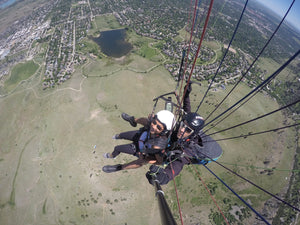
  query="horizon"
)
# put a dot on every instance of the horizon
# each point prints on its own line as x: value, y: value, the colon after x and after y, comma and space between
x: 280, y: 7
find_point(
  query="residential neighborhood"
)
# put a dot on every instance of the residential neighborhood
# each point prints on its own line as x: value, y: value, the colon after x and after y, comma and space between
x: 55, y: 29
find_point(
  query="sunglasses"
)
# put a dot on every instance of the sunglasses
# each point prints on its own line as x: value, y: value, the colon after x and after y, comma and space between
x: 159, y: 127
x: 187, y: 129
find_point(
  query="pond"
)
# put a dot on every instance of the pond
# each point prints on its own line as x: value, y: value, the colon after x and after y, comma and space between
x: 113, y: 43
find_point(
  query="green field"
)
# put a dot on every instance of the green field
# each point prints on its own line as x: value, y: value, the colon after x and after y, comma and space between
x: 19, y: 73
x: 271, y: 66
x: 52, y: 144
x: 104, y: 23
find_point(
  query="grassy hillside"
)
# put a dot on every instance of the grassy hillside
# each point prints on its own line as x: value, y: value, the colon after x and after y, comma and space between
x: 19, y: 73
x: 51, y: 150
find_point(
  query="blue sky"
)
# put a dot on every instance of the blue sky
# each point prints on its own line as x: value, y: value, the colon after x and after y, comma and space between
x: 281, y: 6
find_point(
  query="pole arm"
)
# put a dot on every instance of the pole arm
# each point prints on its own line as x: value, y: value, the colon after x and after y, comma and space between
x: 165, y: 212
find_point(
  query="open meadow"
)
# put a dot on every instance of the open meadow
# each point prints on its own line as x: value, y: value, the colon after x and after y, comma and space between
x: 52, y: 142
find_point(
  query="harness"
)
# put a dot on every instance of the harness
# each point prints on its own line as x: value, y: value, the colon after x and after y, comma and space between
x: 189, y: 149
x: 148, y: 145
x: 142, y: 139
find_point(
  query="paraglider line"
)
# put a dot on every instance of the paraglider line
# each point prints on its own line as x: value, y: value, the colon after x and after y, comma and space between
x: 250, y: 182
x: 202, y: 181
x: 165, y: 212
x: 189, y: 48
x: 212, y: 197
x: 199, y: 46
x: 258, y: 87
x: 213, y: 79
x: 257, y: 133
x: 261, y: 168
x: 260, y: 216
x: 243, y: 75
x: 179, y: 208
x: 259, y: 117
x: 199, y: 3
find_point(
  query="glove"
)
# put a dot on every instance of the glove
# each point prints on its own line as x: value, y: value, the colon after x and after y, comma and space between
x: 189, y: 89
x: 157, y: 173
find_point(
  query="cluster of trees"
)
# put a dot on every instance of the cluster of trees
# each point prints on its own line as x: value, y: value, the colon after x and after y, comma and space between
x: 287, y: 92
x: 60, y: 12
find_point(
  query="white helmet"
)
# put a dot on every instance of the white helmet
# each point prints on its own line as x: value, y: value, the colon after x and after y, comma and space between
x: 166, y: 118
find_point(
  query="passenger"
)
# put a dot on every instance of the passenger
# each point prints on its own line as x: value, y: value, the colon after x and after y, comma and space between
x: 147, y: 143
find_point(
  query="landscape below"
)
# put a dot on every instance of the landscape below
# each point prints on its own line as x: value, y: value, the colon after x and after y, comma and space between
x: 53, y: 134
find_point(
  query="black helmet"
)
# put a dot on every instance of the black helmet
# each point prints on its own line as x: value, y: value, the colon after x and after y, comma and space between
x: 194, y: 121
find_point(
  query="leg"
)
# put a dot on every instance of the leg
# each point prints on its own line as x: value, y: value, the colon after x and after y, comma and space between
x: 129, y: 135
x: 126, y: 148
x: 134, y: 121
x: 135, y: 164
x: 129, y: 119
x: 143, y: 160
x: 132, y: 165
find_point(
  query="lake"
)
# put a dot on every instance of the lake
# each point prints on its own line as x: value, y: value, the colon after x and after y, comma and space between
x: 113, y: 43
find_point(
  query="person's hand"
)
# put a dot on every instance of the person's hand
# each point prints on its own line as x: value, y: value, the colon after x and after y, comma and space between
x: 150, y: 116
x: 188, y: 89
x: 157, y: 173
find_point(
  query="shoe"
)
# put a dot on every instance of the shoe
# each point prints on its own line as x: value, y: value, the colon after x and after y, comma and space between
x: 130, y: 119
x: 107, y: 155
x: 111, y: 169
x: 116, y: 136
